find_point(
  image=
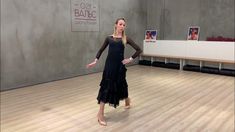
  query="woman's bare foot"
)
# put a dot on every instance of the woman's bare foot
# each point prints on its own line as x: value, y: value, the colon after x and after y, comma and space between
x: 101, y: 120
x: 127, y: 103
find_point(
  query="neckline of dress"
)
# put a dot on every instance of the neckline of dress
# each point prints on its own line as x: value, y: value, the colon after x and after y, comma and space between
x: 116, y: 37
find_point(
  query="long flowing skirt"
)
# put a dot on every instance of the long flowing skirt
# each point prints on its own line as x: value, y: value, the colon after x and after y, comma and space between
x: 113, y: 86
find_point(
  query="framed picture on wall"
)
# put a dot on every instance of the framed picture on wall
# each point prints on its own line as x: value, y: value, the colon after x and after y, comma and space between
x: 193, y: 33
x: 151, y: 35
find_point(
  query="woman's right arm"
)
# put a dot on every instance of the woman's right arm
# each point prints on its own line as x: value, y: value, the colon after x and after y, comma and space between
x: 103, y: 47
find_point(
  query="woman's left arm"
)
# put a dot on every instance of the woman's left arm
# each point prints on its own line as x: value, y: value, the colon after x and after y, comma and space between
x: 135, y: 46
x: 137, y: 51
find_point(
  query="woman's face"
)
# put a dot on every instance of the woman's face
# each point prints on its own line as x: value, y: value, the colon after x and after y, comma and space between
x: 120, y: 26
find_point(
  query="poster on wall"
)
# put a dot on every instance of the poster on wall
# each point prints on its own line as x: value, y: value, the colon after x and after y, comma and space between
x: 151, y: 35
x: 85, y: 15
x: 193, y: 33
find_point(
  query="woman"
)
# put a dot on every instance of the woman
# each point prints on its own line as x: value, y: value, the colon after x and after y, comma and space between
x: 148, y: 35
x: 113, y: 86
x: 193, y: 34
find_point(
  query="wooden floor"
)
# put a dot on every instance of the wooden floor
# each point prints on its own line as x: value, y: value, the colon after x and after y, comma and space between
x: 163, y: 100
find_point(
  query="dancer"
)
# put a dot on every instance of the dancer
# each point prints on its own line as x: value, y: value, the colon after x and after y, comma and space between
x: 113, y: 86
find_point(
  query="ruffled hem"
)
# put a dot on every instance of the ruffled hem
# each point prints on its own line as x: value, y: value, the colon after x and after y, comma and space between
x: 113, y: 90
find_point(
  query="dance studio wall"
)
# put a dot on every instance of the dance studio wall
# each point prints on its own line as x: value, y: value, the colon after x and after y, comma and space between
x: 173, y: 17
x: 37, y: 44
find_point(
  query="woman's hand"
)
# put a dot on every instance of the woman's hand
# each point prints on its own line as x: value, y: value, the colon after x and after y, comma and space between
x: 92, y: 64
x: 126, y: 61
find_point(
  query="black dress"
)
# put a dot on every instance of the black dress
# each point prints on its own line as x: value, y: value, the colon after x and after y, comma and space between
x: 113, y: 86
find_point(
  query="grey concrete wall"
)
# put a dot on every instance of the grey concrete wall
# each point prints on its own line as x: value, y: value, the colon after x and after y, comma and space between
x: 155, y: 16
x: 217, y: 18
x: 172, y: 18
x: 37, y: 44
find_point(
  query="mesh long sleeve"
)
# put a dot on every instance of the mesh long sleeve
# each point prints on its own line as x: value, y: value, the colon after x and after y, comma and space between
x: 135, y: 46
x: 103, y: 47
